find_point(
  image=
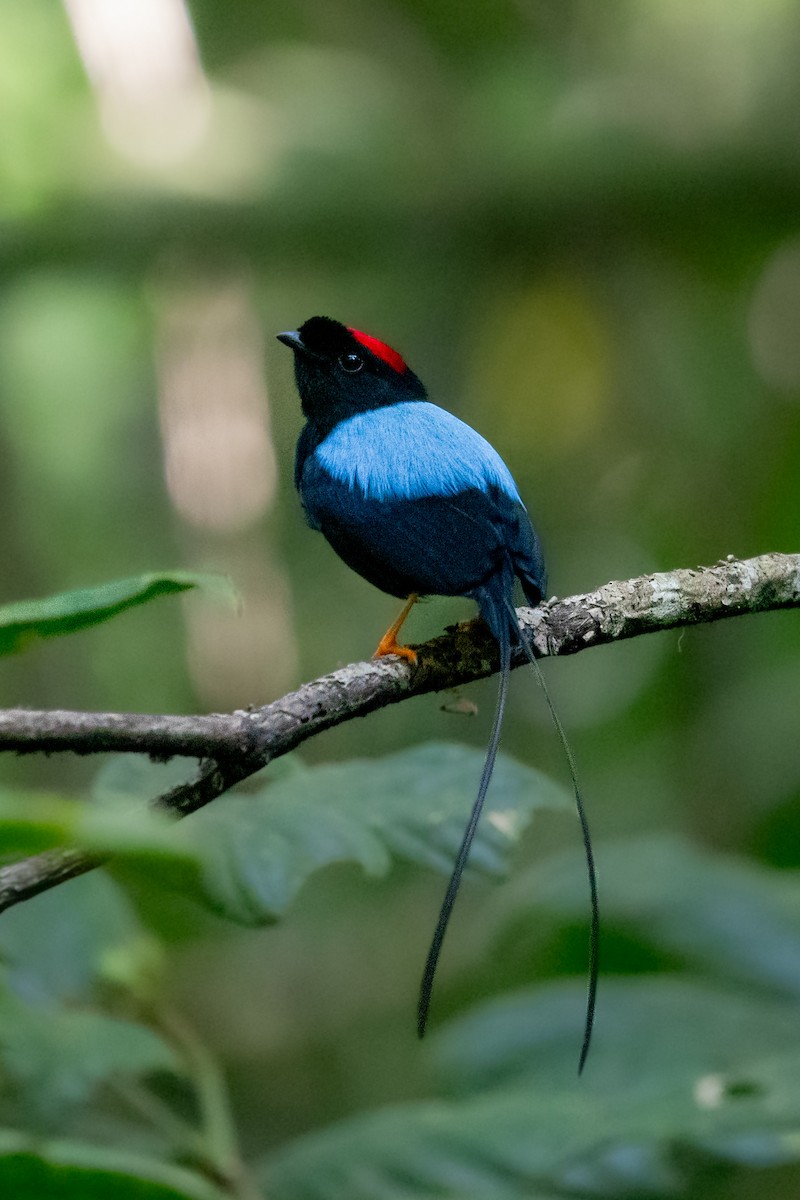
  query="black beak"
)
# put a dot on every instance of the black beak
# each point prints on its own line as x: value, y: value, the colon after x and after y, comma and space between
x: 293, y: 340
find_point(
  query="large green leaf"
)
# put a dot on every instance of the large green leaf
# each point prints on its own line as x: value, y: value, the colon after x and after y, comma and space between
x: 32, y: 821
x: 409, y: 806
x: 674, y: 1062
x: 54, y: 945
x: 26, y: 621
x: 258, y: 848
x: 56, y: 1057
x: 31, y: 1169
x: 650, y: 1029
x: 117, y: 823
x: 712, y: 909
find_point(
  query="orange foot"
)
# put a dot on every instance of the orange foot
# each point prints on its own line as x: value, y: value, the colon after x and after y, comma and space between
x: 389, y: 643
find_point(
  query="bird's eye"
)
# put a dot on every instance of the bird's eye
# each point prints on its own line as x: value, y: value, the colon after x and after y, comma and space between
x: 351, y: 363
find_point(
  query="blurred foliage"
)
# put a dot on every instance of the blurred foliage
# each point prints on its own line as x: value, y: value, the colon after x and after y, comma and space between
x: 579, y: 223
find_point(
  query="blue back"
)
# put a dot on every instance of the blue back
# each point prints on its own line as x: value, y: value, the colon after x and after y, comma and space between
x: 415, y: 500
x: 410, y: 450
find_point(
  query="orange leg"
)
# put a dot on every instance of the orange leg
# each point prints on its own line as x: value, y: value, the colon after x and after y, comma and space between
x: 389, y: 644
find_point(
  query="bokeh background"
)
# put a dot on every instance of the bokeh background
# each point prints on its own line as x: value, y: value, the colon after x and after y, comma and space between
x: 580, y: 223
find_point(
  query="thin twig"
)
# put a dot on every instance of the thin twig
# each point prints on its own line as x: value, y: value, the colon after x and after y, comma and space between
x: 232, y: 747
x: 219, y: 1139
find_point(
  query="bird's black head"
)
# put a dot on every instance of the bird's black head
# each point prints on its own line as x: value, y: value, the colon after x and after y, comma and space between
x: 340, y: 372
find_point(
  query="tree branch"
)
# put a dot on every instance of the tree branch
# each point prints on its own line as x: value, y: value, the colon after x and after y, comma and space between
x: 233, y: 746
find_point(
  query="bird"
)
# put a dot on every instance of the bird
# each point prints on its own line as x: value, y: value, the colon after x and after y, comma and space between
x: 418, y: 503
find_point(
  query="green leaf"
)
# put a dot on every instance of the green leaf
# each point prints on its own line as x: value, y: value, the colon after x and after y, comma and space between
x: 712, y: 909
x: 26, y: 621
x: 128, y: 780
x: 135, y: 836
x: 116, y: 823
x: 409, y: 806
x: 31, y: 1169
x: 253, y: 852
x: 56, y: 1057
x: 674, y: 1063
x: 53, y: 945
x: 650, y: 1030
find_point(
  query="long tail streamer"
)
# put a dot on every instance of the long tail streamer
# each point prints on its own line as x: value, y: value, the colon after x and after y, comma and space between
x: 594, y: 926
x: 432, y: 960
x: 446, y: 910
